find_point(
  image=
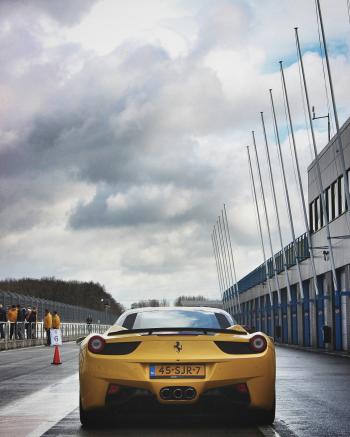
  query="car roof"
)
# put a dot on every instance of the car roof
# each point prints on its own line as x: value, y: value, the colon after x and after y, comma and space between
x: 201, y: 309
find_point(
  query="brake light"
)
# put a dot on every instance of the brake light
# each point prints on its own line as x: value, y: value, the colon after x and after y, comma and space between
x: 113, y: 389
x: 241, y: 388
x: 258, y: 343
x: 96, y: 344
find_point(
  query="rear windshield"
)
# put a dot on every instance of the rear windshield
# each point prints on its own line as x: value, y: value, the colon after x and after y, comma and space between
x: 179, y: 319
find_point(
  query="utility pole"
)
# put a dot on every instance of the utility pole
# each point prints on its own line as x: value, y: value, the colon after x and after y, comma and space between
x: 259, y: 225
x: 306, y: 222
x: 232, y: 260
x: 286, y: 192
x: 317, y: 164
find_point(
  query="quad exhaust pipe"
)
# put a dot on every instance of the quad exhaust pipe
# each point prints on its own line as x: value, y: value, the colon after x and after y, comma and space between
x: 165, y: 393
x: 190, y: 393
x: 177, y: 393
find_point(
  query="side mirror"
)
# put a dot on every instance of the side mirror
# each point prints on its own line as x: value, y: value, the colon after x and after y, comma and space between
x: 80, y: 339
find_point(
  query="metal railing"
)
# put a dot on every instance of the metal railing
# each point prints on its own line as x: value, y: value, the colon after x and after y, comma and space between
x: 258, y: 275
x: 23, y: 334
x: 68, y: 313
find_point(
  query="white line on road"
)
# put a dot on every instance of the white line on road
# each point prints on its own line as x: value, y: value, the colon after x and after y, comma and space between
x: 268, y: 431
x: 33, y: 415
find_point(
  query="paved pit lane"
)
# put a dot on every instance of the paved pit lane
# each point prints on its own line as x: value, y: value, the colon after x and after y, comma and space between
x: 25, y: 371
x: 156, y: 426
x: 313, y: 399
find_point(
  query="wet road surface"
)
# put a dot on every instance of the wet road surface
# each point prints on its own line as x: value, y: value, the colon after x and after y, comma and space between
x: 25, y: 371
x: 313, y: 400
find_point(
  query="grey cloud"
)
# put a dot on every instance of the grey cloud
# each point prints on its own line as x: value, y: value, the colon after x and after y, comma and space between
x: 180, y: 249
x: 28, y: 200
x: 135, y: 145
x: 156, y: 205
x: 106, y: 130
x: 66, y: 12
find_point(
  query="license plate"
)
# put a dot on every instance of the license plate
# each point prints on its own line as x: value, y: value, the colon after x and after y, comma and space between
x: 177, y: 371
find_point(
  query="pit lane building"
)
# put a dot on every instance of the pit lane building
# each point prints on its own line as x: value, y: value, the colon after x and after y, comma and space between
x: 321, y: 320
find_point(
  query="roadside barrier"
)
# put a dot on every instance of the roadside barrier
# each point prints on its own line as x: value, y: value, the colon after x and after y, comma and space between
x: 25, y: 334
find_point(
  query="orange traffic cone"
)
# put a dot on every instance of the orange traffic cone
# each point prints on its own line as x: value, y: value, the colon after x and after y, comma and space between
x: 56, y: 356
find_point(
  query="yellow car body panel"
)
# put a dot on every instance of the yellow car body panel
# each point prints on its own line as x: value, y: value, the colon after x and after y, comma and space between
x: 98, y: 371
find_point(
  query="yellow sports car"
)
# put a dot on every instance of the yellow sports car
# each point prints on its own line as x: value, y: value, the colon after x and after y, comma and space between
x: 196, y: 357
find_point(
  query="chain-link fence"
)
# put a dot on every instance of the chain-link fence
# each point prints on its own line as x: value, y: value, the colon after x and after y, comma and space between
x: 68, y: 313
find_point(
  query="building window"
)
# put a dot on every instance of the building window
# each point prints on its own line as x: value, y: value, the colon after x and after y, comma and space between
x: 314, y: 214
x: 317, y: 213
x: 335, y: 203
x: 348, y: 175
x: 328, y: 202
x: 342, y: 201
x: 311, y: 216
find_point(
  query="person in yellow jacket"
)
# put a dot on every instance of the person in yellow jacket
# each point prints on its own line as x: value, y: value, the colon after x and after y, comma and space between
x: 56, y: 321
x: 48, y: 326
x: 12, y: 318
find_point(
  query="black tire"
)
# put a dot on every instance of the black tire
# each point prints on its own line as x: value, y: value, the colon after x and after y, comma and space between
x: 267, y: 417
x: 88, y: 419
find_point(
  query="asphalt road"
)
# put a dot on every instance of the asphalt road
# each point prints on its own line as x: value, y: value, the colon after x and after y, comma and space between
x: 313, y: 398
x: 25, y: 371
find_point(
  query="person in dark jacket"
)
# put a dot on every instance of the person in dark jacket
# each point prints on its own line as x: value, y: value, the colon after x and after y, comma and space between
x: 21, y: 316
x: 89, y: 322
x: 27, y: 324
x: 3, y: 320
x: 32, y: 319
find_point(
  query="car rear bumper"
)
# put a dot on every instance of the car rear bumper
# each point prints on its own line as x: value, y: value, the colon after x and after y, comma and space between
x: 256, y: 371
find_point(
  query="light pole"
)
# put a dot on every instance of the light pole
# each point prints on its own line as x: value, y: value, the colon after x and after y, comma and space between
x: 106, y: 307
x: 102, y: 301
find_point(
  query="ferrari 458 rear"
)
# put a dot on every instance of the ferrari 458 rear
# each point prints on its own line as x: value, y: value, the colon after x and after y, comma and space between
x: 177, y: 356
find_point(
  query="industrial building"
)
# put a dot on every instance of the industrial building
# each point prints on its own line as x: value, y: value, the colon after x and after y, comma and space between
x: 316, y: 316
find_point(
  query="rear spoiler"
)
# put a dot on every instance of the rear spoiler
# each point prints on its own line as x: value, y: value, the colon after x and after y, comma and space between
x: 150, y: 331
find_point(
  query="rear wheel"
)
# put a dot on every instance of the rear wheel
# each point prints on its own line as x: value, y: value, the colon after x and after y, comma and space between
x: 88, y: 419
x: 267, y: 417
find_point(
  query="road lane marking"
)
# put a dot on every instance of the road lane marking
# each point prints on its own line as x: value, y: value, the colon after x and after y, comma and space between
x: 40, y: 411
x: 268, y: 431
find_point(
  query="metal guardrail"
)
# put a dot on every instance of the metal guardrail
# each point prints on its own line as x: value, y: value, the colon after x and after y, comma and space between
x: 24, y: 334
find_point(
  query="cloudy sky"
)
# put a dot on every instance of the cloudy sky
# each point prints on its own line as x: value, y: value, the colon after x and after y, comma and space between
x: 123, y: 128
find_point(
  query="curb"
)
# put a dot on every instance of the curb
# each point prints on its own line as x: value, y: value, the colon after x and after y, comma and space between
x: 315, y: 350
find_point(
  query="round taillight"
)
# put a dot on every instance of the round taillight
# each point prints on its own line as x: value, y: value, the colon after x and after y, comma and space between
x: 96, y: 344
x: 258, y: 343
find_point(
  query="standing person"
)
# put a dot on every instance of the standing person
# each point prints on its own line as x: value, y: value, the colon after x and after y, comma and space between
x: 56, y: 320
x: 89, y: 322
x: 3, y: 320
x: 12, y: 318
x: 20, y: 322
x: 27, y: 324
x: 32, y: 319
x: 48, y: 326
